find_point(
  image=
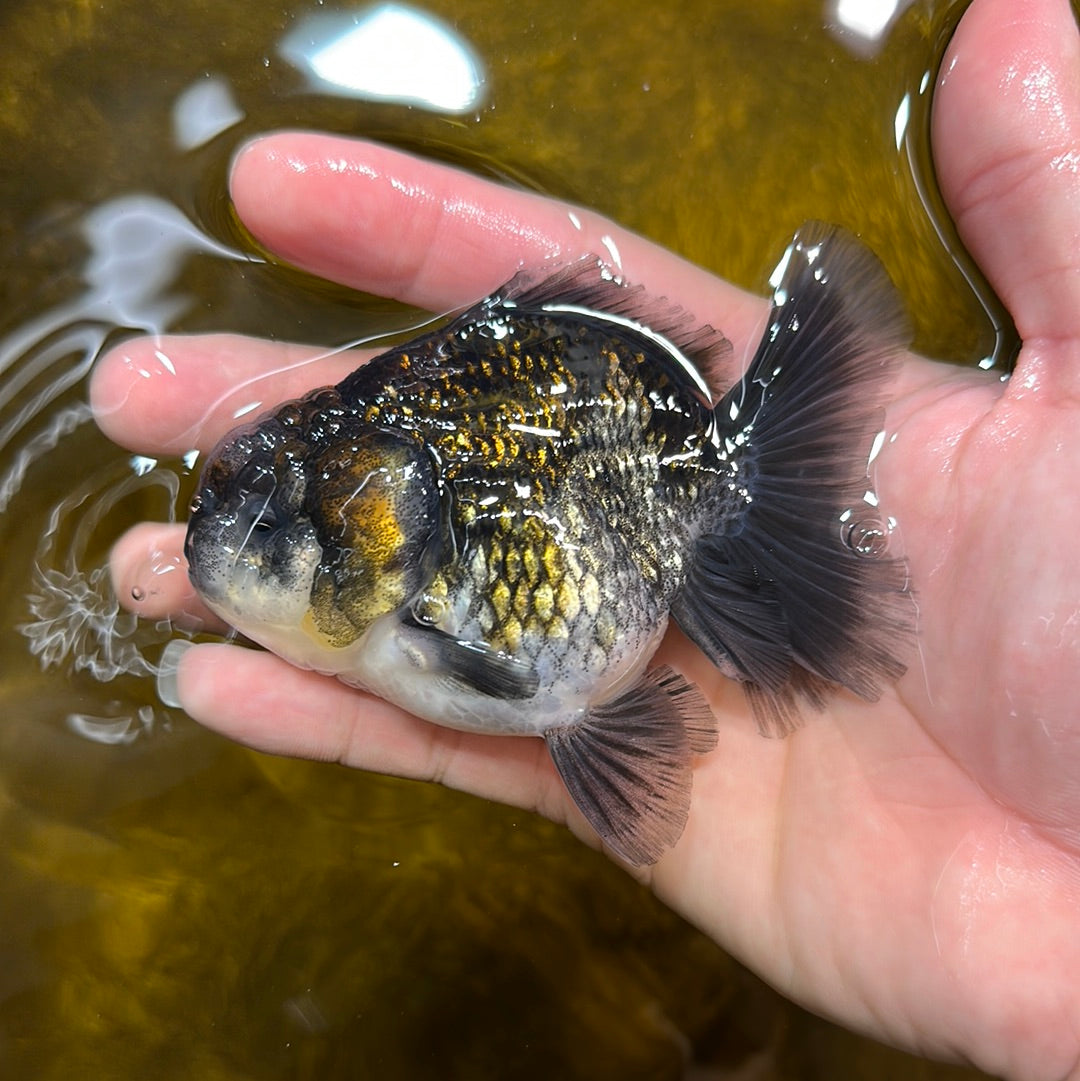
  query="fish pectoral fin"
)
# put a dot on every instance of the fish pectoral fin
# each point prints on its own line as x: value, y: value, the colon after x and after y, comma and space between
x: 476, y: 665
x: 627, y: 764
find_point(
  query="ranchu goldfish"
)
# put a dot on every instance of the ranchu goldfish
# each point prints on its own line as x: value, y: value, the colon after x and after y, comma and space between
x: 492, y: 525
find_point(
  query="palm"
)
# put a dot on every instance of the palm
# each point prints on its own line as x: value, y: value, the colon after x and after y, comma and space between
x: 912, y: 867
x: 929, y: 841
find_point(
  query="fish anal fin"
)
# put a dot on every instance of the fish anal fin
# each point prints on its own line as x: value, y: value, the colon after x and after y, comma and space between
x: 627, y: 763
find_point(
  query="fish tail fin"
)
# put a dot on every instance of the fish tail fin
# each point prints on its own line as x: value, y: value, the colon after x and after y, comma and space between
x: 627, y: 763
x: 794, y: 593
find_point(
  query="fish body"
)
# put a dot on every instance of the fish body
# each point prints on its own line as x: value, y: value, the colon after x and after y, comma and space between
x: 491, y: 525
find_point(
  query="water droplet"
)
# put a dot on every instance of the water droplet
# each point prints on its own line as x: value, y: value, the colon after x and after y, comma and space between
x: 163, y: 563
x: 867, y: 537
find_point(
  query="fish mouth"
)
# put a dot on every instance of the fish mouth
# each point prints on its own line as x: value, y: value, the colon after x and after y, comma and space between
x: 248, y: 578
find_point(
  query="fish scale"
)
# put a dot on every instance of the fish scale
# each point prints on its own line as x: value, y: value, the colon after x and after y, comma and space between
x: 601, y: 418
x: 492, y: 524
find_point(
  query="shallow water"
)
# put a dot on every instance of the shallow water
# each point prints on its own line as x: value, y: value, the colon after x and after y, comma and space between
x: 174, y: 905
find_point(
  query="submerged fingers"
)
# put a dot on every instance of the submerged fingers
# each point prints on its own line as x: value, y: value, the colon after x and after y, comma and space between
x: 150, y: 577
x: 437, y: 237
x: 170, y: 395
x: 388, y: 223
x: 265, y: 703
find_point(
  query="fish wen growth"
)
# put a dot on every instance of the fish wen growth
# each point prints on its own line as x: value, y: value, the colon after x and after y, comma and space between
x: 491, y: 525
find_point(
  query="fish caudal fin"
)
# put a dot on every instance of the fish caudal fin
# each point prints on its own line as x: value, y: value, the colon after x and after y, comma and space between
x: 796, y: 594
x: 627, y: 764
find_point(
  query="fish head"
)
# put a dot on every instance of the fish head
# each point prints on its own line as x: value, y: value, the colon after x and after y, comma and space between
x: 297, y: 542
x: 252, y: 550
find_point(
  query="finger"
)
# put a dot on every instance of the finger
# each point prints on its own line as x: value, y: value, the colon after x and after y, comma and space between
x: 259, y: 700
x: 265, y: 703
x: 1006, y: 130
x: 150, y: 578
x: 436, y: 237
x: 170, y: 395
x: 390, y: 223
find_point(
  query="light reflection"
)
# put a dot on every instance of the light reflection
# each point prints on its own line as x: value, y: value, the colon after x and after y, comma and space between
x: 113, y: 730
x: 612, y: 250
x: 204, y: 110
x: 863, y: 24
x: 387, y: 53
x: 139, y: 245
x: 900, y: 122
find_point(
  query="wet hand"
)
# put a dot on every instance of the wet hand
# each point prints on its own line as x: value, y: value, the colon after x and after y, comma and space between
x: 911, y: 868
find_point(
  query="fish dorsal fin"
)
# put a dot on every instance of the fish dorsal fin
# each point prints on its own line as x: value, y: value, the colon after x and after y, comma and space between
x: 627, y: 763
x: 590, y: 285
x: 787, y: 594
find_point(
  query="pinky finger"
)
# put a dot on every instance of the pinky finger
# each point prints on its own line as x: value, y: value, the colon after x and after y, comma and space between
x: 263, y: 702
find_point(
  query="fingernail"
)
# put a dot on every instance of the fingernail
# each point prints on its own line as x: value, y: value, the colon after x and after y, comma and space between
x: 167, y: 688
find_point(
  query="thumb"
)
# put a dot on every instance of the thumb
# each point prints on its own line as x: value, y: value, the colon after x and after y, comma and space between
x: 1006, y: 132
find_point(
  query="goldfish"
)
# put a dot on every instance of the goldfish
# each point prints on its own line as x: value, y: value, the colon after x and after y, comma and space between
x: 492, y: 525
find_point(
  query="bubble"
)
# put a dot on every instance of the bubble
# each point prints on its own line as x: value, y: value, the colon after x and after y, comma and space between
x: 867, y: 537
x: 138, y: 593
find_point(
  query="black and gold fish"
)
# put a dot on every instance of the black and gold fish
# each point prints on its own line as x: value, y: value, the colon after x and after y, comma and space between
x: 491, y: 525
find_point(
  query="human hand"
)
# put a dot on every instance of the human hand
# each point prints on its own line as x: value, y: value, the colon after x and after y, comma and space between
x: 910, y: 868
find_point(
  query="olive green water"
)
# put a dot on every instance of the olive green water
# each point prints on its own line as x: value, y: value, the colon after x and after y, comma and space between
x: 175, y: 906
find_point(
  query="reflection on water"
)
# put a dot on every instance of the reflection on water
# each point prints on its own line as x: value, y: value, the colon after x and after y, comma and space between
x: 203, y: 111
x: 175, y: 904
x: 138, y: 245
x: 864, y: 24
x: 387, y: 53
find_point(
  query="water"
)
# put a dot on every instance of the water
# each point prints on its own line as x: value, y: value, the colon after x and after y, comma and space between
x: 174, y: 905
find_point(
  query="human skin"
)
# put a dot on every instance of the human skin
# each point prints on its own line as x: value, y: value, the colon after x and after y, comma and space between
x: 910, y: 868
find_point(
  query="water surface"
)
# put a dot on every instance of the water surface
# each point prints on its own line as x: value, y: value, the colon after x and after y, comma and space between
x: 176, y: 906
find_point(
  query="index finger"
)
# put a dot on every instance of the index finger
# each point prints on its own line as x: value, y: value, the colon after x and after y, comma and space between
x: 435, y: 236
x: 386, y: 222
